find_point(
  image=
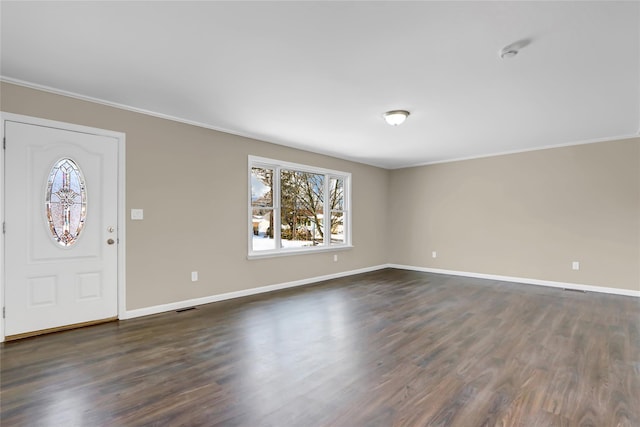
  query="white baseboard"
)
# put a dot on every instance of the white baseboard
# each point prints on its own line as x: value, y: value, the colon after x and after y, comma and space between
x: 146, y: 311
x: 130, y: 314
x: 564, y: 285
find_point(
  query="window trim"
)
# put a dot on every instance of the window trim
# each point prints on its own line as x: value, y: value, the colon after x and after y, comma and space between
x: 277, y: 166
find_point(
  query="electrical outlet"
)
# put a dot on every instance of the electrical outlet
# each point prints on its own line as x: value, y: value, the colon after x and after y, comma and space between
x: 575, y: 265
x: 335, y: 257
x: 194, y: 276
x: 434, y: 254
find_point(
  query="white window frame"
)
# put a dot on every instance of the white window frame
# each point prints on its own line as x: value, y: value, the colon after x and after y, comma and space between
x: 277, y: 166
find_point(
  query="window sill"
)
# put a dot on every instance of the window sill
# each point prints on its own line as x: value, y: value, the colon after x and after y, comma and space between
x: 290, y: 252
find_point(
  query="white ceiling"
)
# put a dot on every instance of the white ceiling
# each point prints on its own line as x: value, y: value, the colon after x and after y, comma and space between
x: 319, y: 75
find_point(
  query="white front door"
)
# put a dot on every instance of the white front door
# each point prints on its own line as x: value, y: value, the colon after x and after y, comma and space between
x: 61, y: 219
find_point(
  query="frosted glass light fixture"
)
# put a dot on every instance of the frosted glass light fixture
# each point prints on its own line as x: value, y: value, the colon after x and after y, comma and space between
x: 396, y: 117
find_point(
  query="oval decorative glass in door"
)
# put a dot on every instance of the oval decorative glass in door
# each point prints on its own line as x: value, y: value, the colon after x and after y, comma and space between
x: 66, y: 202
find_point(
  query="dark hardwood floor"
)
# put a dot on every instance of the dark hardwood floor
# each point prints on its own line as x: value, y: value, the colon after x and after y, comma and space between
x: 388, y: 348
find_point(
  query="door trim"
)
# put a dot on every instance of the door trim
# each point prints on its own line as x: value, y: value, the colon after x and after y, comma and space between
x: 120, y: 137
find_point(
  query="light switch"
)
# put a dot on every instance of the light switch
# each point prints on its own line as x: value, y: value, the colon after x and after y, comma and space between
x: 137, y: 214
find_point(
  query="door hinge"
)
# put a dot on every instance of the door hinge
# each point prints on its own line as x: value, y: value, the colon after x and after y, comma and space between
x: 4, y: 312
x: 4, y: 227
x: 4, y: 143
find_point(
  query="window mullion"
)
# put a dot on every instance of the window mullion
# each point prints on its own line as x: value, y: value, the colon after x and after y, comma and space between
x: 327, y: 211
x: 276, y: 208
x: 346, y: 209
x: 250, y: 233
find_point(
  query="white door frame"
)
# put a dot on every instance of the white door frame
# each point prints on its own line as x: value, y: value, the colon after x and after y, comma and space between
x: 4, y: 117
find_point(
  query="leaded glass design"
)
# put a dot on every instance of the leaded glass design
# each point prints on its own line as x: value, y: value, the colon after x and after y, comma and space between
x: 66, y: 202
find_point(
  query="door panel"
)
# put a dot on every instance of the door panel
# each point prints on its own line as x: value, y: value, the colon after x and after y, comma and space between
x: 47, y: 284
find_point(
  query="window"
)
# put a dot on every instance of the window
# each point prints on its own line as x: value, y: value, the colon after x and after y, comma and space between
x: 295, y: 208
x: 66, y: 202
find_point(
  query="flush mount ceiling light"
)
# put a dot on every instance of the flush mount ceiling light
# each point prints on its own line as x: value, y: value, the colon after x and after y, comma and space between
x: 396, y: 117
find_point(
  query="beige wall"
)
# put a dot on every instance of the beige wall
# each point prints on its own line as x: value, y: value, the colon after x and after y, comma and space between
x: 192, y: 184
x: 525, y: 215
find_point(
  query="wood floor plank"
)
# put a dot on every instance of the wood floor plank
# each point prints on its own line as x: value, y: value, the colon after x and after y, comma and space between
x: 387, y: 348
